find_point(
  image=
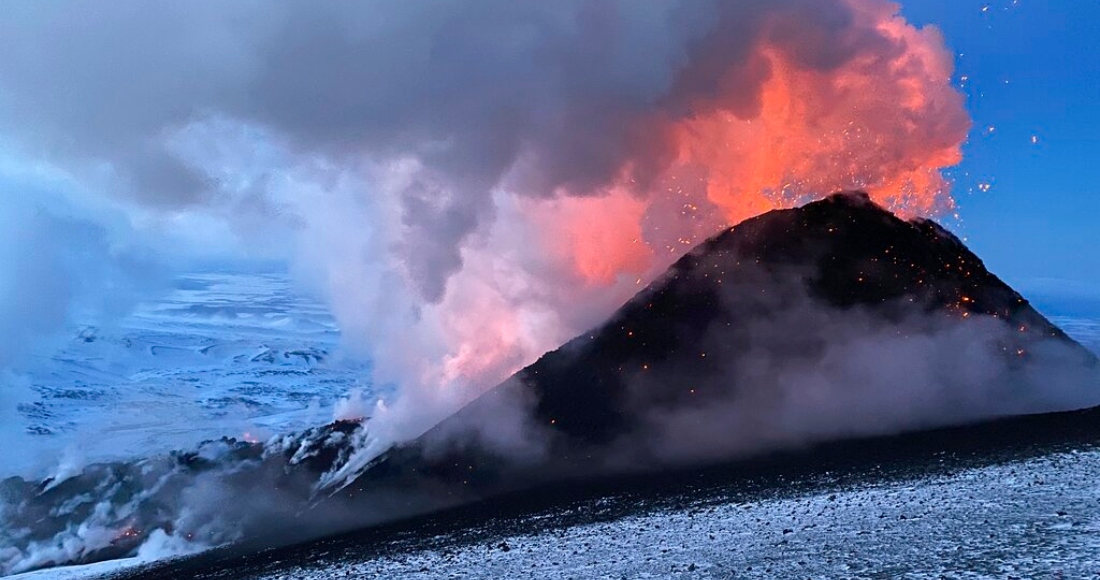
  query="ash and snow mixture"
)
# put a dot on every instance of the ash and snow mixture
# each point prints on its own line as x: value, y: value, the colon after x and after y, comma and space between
x: 1031, y: 518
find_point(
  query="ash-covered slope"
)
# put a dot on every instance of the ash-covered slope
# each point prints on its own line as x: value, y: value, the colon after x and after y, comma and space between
x: 686, y: 331
x: 833, y: 320
x: 828, y: 322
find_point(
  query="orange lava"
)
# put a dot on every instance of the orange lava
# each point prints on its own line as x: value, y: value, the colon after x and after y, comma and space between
x: 600, y: 237
x: 886, y: 121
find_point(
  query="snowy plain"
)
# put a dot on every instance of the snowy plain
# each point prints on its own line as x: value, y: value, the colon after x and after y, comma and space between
x: 244, y: 355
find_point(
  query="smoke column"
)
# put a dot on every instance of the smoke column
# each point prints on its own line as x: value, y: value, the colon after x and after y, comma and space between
x: 470, y: 183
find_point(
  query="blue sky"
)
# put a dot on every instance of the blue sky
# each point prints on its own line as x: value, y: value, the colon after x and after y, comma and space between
x: 1032, y: 69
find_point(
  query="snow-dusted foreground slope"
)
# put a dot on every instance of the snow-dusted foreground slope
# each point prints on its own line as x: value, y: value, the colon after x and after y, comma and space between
x: 1030, y: 518
x: 1039, y: 518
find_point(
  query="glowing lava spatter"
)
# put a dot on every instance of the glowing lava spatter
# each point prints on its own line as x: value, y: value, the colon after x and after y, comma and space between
x: 886, y: 120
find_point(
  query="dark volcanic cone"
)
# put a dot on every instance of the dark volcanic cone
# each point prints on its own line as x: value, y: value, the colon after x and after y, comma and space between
x: 833, y: 321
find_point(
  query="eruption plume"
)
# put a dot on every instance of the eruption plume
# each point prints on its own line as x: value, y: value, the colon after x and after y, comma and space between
x: 757, y: 117
x: 471, y: 183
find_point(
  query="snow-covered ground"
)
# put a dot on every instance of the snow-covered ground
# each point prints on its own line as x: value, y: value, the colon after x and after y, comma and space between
x: 82, y: 572
x: 243, y: 355
x: 1029, y: 518
x: 1037, y: 518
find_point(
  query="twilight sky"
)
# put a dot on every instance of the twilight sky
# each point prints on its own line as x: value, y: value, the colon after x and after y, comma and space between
x: 1032, y: 71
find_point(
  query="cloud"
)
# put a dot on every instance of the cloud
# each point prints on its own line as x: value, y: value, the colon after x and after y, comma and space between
x: 59, y: 266
x: 64, y: 265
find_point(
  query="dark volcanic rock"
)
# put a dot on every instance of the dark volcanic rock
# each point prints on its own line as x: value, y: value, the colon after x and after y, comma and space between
x: 718, y: 351
x: 847, y: 251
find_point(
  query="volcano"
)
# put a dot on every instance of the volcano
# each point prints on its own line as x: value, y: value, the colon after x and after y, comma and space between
x: 832, y: 320
x: 800, y: 328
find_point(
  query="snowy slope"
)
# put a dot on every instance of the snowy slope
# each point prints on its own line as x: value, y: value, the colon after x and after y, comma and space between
x: 1028, y: 518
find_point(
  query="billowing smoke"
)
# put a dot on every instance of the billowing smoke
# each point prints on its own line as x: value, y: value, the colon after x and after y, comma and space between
x: 64, y: 264
x: 848, y: 373
x: 472, y: 182
x: 55, y: 261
